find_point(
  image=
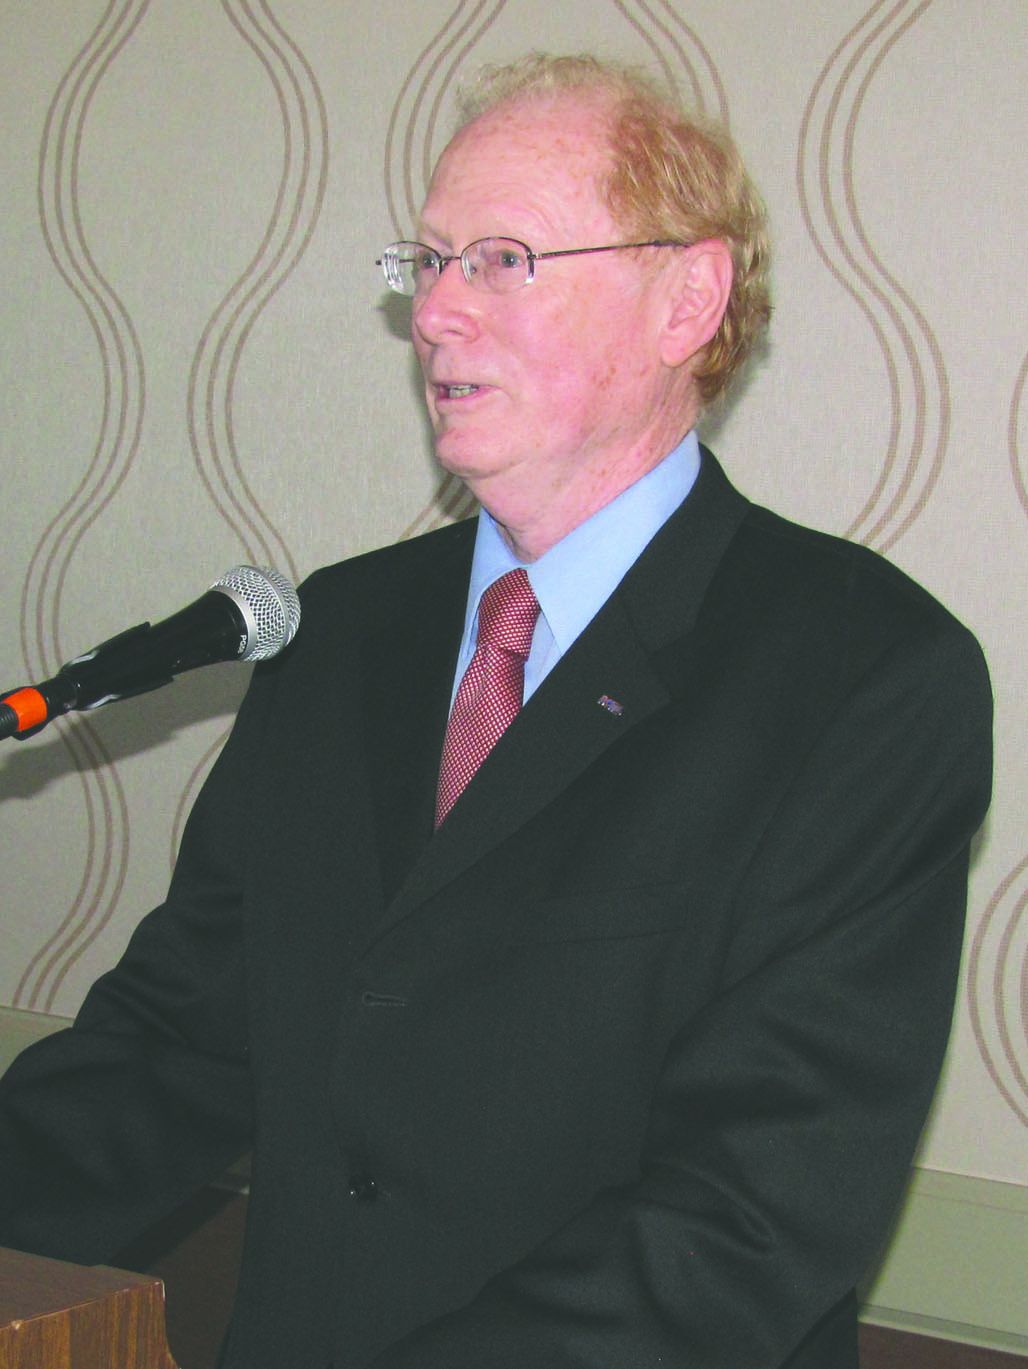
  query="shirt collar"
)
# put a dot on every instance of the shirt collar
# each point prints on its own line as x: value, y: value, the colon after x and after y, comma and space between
x: 576, y: 576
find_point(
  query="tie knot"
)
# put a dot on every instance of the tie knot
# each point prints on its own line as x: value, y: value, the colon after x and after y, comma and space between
x: 507, y: 613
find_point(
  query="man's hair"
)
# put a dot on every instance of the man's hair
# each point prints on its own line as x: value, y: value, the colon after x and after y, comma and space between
x: 672, y: 174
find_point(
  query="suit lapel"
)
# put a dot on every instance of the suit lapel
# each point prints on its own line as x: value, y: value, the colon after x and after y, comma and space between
x: 565, y: 727
x: 408, y: 674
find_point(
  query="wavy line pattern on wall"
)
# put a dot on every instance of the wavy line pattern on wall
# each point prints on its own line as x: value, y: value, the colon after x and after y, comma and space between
x: 212, y: 379
x: 411, y: 135
x: 210, y: 413
x: 294, y: 216
x: 998, y: 963
x: 998, y: 989
x: 121, y: 362
x: 918, y: 386
x: 415, y: 113
x: 1017, y: 457
x: 698, y: 80
x: 123, y: 397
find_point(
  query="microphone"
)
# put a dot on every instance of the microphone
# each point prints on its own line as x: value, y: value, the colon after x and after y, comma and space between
x: 250, y: 614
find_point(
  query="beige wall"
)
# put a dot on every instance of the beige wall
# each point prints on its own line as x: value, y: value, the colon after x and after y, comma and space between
x: 199, y: 366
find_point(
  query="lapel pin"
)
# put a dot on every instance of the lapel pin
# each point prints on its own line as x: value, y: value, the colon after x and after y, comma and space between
x: 611, y: 705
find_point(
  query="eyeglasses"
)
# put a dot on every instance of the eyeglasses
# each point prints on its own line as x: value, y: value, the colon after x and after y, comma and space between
x: 495, y: 265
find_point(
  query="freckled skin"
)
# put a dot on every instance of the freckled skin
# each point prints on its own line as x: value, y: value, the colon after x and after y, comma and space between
x: 575, y: 401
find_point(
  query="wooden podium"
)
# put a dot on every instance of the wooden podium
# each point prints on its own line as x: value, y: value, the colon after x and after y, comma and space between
x: 66, y: 1316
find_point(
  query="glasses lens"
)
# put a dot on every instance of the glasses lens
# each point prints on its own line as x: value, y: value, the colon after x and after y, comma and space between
x: 410, y: 267
x: 497, y: 264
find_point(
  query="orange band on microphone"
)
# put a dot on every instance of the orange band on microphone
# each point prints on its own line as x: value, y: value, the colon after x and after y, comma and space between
x: 29, y: 705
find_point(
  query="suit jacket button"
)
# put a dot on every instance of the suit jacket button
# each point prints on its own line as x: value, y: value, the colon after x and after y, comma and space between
x: 363, y: 1188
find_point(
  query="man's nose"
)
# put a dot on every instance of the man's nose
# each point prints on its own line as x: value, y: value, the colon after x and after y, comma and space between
x: 448, y: 306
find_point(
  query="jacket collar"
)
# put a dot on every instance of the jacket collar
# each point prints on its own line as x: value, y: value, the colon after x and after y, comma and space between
x: 564, y: 727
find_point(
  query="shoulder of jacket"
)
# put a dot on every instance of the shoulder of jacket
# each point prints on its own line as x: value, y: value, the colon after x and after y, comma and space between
x: 851, y: 573
x: 402, y: 563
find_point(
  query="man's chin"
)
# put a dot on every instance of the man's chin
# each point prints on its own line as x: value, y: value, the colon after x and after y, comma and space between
x: 465, y: 460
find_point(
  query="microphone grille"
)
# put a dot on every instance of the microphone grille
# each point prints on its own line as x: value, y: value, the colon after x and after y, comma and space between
x: 269, y: 604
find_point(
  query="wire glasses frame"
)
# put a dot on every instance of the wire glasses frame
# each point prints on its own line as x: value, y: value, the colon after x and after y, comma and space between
x: 496, y: 265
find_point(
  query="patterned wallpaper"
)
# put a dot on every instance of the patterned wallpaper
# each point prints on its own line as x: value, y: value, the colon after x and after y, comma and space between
x: 199, y: 366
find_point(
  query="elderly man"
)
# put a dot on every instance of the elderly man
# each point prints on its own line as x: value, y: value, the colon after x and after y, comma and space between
x: 572, y: 919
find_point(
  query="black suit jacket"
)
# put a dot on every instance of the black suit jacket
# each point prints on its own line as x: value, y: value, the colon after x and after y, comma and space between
x: 623, y: 1067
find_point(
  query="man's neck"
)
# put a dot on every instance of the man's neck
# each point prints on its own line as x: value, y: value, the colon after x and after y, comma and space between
x: 532, y: 518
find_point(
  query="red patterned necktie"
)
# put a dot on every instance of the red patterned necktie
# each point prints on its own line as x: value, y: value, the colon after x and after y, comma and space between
x: 490, y: 693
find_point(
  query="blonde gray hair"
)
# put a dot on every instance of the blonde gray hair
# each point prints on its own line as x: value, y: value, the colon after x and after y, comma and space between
x: 672, y: 174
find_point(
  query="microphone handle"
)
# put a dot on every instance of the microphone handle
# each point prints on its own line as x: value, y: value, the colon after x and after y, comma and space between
x: 82, y: 683
x: 9, y: 721
x: 135, y: 661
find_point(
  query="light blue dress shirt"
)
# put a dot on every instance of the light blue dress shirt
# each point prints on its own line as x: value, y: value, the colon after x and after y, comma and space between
x: 575, y: 578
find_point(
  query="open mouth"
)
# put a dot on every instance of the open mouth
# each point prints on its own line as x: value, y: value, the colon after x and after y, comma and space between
x: 456, y: 391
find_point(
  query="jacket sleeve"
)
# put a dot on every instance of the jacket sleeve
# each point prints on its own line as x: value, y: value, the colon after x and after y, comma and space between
x: 788, y: 1109
x: 107, y: 1126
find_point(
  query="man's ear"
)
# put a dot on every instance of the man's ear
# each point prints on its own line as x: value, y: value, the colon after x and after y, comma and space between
x: 703, y: 283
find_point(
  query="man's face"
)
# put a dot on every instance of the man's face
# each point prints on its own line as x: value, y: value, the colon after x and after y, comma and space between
x: 567, y: 388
